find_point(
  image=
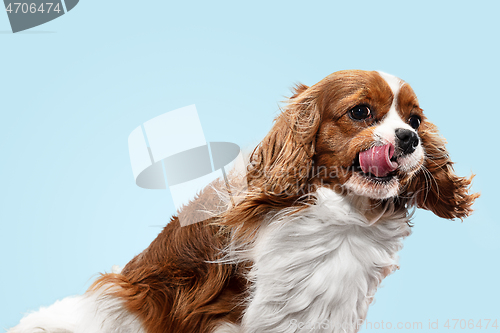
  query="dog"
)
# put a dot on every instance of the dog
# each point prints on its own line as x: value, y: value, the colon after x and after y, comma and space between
x: 329, y: 194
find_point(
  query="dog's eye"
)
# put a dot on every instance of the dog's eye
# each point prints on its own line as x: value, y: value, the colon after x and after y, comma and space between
x: 414, y: 121
x: 360, y: 112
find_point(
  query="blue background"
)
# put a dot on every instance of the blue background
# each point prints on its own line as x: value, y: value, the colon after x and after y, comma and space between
x: 73, y: 89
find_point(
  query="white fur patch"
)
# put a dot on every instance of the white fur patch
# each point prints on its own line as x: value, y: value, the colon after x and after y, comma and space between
x: 88, y: 313
x: 319, y: 269
x: 385, y: 132
x: 227, y: 328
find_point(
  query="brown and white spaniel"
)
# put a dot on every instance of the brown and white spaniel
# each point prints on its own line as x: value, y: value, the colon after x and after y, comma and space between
x: 327, y: 203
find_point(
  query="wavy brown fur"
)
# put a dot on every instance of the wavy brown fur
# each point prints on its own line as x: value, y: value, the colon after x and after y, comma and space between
x: 280, y: 166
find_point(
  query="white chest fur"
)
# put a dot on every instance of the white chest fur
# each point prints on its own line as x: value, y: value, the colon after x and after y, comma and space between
x: 318, y: 270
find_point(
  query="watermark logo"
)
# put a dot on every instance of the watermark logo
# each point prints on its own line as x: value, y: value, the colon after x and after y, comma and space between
x: 171, y: 151
x: 26, y: 15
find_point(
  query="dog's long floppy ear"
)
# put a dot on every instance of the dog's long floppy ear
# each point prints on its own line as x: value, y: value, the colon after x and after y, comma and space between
x: 437, y: 188
x: 281, y: 164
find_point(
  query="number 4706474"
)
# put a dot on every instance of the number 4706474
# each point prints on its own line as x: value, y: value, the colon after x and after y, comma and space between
x: 25, y: 8
x: 471, y: 324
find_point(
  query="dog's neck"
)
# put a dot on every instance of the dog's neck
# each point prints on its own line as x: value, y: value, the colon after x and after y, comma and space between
x: 322, y: 265
x: 374, y: 210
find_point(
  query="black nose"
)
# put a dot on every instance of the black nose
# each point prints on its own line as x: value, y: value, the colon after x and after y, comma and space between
x: 407, y: 140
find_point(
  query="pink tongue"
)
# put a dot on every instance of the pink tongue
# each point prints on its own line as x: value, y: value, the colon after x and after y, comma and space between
x: 377, y: 160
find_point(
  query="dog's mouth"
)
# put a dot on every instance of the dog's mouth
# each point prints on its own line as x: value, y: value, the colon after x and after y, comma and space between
x: 377, y: 164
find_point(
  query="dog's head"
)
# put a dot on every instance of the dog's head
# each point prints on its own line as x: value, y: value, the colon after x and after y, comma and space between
x: 360, y: 133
